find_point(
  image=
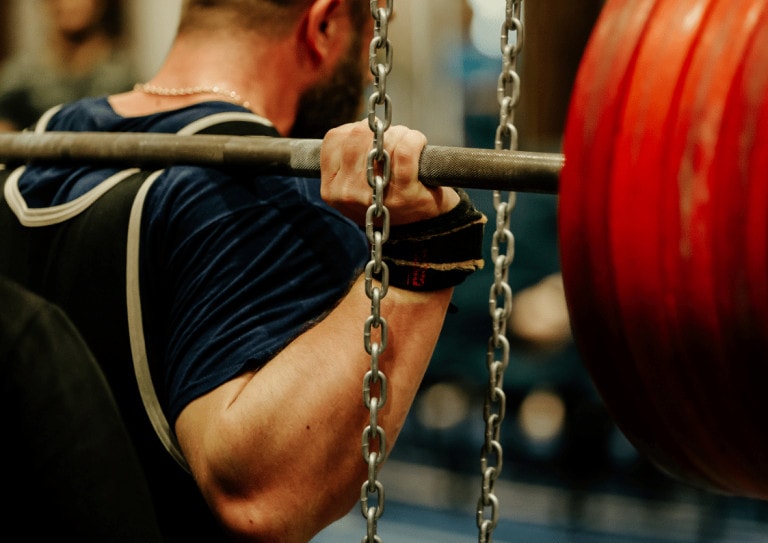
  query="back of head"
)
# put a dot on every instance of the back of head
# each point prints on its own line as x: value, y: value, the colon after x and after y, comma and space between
x: 269, y: 17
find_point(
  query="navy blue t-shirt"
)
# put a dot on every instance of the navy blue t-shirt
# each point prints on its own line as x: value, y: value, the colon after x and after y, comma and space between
x: 233, y: 266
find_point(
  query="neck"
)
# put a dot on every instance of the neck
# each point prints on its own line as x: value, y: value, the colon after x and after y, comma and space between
x: 180, y: 92
x: 262, y: 74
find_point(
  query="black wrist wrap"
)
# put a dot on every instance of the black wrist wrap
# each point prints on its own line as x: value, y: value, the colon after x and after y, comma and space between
x: 439, y: 252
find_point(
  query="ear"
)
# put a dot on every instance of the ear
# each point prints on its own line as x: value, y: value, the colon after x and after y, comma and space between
x: 323, y: 29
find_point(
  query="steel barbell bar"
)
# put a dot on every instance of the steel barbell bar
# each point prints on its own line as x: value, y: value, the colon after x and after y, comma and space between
x: 518, y: 171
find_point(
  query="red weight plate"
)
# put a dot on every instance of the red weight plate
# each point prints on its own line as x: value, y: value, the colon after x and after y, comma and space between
x: 597, y: 323
x: 757, y: 201
x: 642, y: 303
x: 753, y: 364
x: 741, y: 167
x: 636, y: 227
x: 704, y: 367
x: 598, y: 96
x: 741, y: 248
x: 756, y: 234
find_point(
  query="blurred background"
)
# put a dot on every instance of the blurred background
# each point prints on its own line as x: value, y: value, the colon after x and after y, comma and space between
x: 569, y: 475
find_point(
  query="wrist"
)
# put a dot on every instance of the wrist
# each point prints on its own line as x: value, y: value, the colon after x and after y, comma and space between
x: 439, y: 252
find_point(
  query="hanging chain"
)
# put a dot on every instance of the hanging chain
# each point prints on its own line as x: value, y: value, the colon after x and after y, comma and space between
x: 500, y: 299
x: 378, y: 173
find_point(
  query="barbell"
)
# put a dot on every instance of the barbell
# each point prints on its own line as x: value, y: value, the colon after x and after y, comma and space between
x: 438, y: 165
x: 663, y: 223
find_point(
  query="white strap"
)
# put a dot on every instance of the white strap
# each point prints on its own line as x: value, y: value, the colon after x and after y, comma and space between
x: 45, y: 118
x: 45, y: 216
x: 220, y: 118
x: 136, y: 330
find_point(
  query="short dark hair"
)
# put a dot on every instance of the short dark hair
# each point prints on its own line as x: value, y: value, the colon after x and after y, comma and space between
x: 267, y: 15
x: 264, y: 15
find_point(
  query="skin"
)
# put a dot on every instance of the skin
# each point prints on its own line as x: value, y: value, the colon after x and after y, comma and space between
x: 276, y: 452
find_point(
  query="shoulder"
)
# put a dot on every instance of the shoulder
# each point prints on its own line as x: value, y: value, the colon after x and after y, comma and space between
x: 210, y: 197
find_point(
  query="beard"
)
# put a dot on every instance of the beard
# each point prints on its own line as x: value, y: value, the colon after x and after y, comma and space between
x: 335, y: 101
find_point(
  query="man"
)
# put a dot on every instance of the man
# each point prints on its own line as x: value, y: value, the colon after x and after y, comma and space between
x: 244, y: 291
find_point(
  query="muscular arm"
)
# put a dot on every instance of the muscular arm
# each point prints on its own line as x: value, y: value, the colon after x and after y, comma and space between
x: 277, y: 452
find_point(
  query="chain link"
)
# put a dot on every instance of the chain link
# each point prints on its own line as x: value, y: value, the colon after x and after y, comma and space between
x: 377, y: 226
x: 500, y: 299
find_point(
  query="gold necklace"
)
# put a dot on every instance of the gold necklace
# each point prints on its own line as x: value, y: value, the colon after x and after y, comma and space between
x: 146, y: 88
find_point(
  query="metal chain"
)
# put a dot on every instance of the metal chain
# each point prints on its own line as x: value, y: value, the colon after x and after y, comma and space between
x: 500, y: 299
x: 378, y: 173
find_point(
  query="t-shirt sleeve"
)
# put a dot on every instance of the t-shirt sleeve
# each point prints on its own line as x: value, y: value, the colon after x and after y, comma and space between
x: 234, y: 269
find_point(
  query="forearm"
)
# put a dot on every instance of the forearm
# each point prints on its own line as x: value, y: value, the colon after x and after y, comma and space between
x: 297, y: 423
x: 277, y: 452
